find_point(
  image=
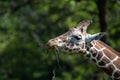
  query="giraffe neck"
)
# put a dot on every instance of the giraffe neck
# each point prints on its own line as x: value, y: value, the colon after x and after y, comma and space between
x: 105, y: 58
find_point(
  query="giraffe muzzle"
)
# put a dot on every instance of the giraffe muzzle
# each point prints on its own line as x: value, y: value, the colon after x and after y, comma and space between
x: 51, y: 45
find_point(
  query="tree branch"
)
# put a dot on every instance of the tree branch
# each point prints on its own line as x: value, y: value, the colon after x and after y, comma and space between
x: 35, y: 36
x: 14, y: 6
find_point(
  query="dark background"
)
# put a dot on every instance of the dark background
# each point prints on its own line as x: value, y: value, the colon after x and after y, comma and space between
x: 27, y: 25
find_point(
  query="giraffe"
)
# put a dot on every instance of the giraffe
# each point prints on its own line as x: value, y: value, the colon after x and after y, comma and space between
x: 78, y: 41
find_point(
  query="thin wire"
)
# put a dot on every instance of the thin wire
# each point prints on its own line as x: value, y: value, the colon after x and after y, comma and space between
x: 53, y: 78
x: 57, y: 56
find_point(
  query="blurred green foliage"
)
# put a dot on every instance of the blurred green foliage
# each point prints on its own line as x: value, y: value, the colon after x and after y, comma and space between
x: 26, y: 26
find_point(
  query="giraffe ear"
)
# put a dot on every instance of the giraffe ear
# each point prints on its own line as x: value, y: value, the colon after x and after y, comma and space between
x: 82, y: 26
x: 96, y: 36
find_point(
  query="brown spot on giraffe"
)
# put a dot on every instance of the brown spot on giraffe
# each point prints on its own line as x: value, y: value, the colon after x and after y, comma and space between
x: 109, y: 69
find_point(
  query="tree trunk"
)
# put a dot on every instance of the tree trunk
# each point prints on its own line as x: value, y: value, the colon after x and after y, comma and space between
x: 101, y: 5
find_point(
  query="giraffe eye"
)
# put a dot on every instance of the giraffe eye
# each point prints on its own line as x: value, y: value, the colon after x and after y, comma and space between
x: 78, y: 37
x: 75, y: 38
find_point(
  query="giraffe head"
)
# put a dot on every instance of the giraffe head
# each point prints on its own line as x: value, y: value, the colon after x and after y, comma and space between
x: 75, y: 40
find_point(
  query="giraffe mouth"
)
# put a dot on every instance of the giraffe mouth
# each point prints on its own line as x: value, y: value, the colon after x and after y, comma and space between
x: 52, y: 47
